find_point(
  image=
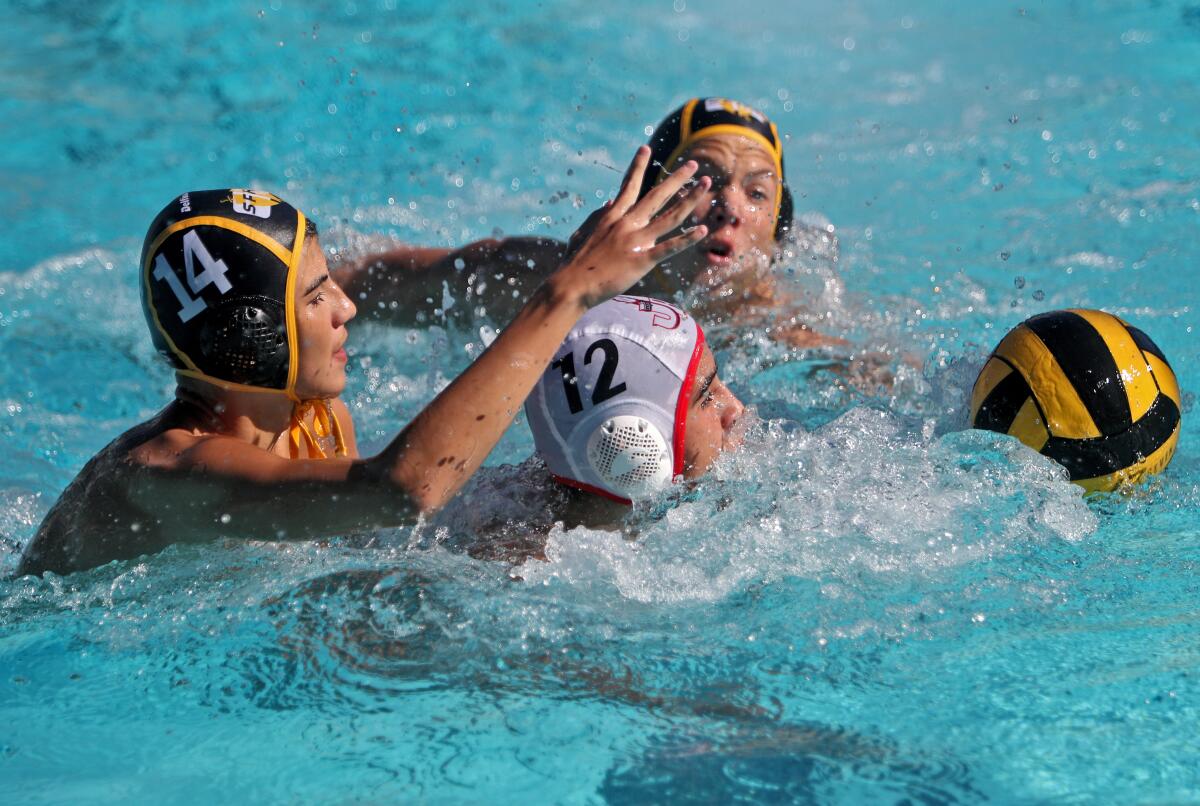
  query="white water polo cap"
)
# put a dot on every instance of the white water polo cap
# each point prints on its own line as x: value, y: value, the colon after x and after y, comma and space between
x: 609, y: 413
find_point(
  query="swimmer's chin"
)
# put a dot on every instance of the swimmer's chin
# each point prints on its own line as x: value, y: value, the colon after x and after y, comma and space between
x: 733, y: 272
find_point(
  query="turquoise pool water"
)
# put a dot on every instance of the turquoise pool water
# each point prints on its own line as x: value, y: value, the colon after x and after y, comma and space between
x: 869, y: 604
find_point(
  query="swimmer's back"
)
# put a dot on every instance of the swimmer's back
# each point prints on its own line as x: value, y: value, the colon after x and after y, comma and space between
x: 171, y: 480
x: 165, y: 481
x: 95, y: 520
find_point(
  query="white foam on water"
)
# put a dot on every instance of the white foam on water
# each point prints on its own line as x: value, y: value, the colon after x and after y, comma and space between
x: 861, y: 495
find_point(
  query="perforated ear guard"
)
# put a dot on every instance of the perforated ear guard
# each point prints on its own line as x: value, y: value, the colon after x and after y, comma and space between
x: 248, y: 336
x: 630, y: 455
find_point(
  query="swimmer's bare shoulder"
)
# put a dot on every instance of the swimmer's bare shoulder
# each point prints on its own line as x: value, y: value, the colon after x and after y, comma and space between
x: 162, y: 482
x: 97, y: 504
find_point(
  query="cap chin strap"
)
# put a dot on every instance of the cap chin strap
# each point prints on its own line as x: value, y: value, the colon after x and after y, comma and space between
x: 302, y: 441
x: 325, y: 424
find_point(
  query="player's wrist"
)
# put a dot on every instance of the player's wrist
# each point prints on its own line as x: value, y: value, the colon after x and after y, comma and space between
x: 562, y: 292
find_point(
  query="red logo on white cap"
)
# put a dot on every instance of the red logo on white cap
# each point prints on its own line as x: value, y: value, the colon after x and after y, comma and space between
x: 663, y: 315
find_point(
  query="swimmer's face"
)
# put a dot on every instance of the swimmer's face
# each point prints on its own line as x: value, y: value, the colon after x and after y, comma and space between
x: 712, y: 412
x: 740, y: 216
x: 322, y: 311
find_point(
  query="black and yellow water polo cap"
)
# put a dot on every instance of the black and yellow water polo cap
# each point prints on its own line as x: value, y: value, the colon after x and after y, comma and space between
x: 707, y: 117
x: 218, y: 291
x: 218, y: 277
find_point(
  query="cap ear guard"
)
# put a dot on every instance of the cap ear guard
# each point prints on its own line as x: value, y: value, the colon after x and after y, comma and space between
x: 630, y: 455
x: 783, y: 224
x: 247, y: 337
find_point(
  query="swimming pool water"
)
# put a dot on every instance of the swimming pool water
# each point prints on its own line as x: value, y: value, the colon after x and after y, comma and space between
x: 867, y: 604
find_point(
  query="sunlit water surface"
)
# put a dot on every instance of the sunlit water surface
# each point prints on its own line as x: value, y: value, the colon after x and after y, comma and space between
x: 867, y: 604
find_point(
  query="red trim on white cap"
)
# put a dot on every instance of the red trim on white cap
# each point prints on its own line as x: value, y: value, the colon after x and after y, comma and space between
x: 685, y: 396
x: 588, y: 488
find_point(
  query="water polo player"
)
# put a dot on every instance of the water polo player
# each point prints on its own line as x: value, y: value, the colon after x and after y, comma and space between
x: 630, y: 403
x: 257, y: 443
x: 747, y: 209
x: 749, y: 204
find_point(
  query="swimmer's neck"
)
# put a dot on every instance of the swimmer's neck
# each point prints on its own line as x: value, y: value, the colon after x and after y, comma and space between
x: 259, y: 418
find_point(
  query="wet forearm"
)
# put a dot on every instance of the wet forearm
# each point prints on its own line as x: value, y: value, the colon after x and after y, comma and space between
x: 450, y: 439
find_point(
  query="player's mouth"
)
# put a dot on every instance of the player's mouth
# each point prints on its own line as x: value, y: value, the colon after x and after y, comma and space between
x: 718, y: 252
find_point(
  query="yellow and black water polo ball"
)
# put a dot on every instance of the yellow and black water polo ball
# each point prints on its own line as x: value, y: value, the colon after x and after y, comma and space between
x: 1086, y: 389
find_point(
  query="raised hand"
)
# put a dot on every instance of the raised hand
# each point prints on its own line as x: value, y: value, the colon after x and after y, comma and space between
x: 619, y: 244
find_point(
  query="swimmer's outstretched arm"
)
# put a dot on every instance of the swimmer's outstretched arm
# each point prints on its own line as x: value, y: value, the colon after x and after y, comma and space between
x: 446, y: 443
x: 253, y: 491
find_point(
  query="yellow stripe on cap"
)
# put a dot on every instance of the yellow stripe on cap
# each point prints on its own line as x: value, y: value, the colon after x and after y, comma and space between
x: 685, y: 122
x: 293, y: 264
x: 1140, y: 388
x: 685, y: 139
x: 275, y: 248
x: 1066, y: 415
